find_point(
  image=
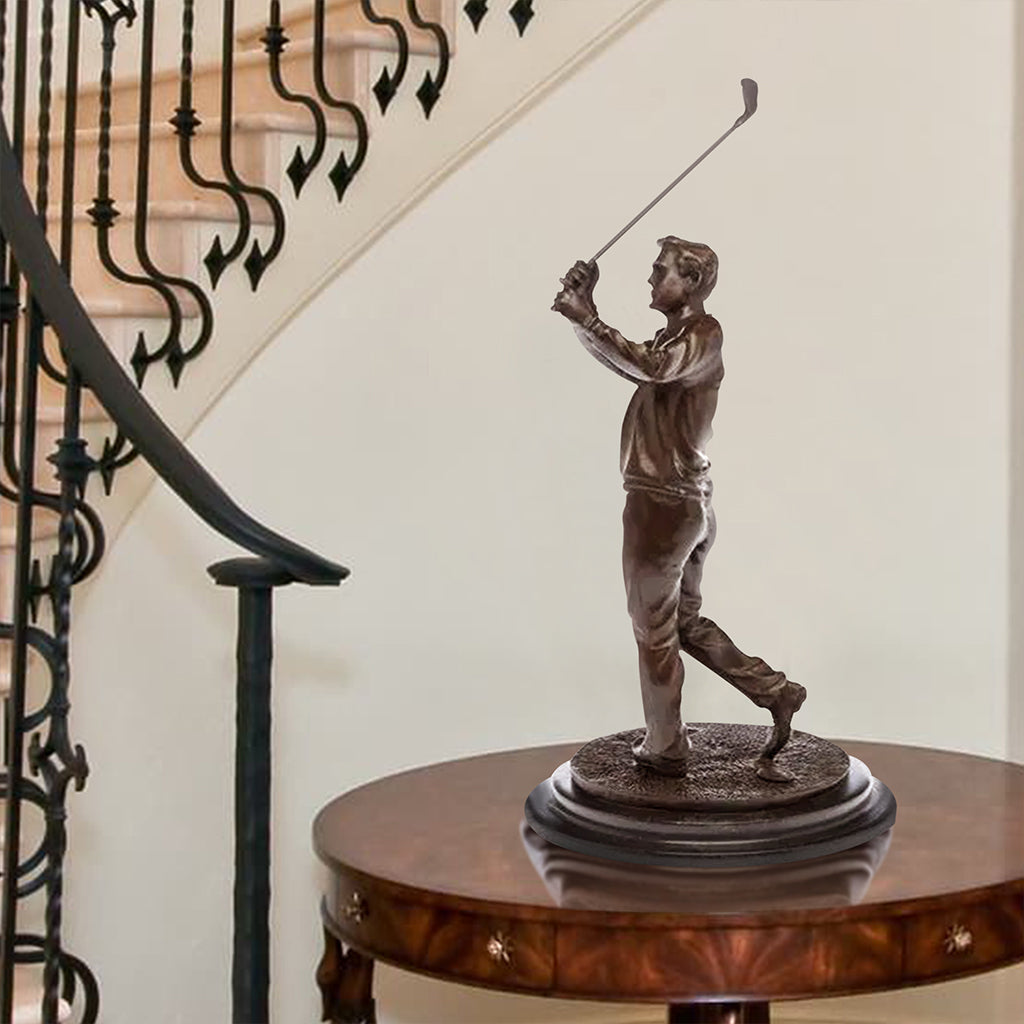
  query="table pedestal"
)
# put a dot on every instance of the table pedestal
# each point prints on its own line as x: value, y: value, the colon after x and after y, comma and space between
x: 719, y: 1013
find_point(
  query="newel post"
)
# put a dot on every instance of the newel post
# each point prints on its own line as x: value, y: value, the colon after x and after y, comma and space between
x: 254, y: 579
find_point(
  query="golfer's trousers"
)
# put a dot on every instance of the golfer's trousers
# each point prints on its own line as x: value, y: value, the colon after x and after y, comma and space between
x: 665, y: 543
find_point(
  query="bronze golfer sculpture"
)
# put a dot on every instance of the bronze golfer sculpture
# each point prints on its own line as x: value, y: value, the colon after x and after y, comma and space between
x: 668, y: 522
x: 715, y: 794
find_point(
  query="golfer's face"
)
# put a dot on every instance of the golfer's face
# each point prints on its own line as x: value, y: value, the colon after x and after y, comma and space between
x: 668, y: 288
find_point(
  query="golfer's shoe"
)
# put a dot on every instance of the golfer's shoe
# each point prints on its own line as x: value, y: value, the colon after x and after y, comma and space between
x: 670, y: 762
x: 783, y: 708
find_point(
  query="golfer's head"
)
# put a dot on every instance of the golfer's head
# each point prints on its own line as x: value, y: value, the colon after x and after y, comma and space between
x: 690, y: 268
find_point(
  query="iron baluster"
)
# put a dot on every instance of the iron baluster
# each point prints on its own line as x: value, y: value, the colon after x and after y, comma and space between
x: 20, y: 77
x: 389, y: 81
x: 35, y: 323
x: 476, y: 11
x: 55, y: 761
x: 185, y: 122
x: 522, y: 13
x: 429, y: 91
x: 14, y: 704
x: 8, y: 298
x: 3, y: 50
x: 8, y: 303
x: 103, y: 211
x: 342, y: 173
x: 73, y: 385
x: 67, y: 199
x: 257, y: 261
x: 15, y: 708
x: 172, y: 350
x: 43, y: 150
x: 45, y: 96
x: 13, y: 276
x: 274, y: 40
x: 116, y: 454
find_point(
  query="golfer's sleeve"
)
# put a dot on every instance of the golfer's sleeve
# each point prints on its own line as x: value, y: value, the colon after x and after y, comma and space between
x: 609, y: 347
x: 695, y: 357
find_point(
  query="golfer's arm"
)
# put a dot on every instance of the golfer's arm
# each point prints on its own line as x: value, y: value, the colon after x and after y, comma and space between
x: 694, y: 357
x: 610, y: 348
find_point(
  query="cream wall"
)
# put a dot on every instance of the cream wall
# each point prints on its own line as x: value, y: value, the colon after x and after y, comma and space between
x: 1016, y: 715
x: 429, y: 422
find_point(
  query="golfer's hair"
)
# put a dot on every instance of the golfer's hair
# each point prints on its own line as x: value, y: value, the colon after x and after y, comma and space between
x: 693, y: 257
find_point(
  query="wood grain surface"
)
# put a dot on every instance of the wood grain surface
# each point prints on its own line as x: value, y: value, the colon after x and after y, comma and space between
x: 429, y: 872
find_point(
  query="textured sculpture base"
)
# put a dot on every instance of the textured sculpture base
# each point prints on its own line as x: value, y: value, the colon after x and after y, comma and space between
x: 720, y: 774
x: 720, y: 814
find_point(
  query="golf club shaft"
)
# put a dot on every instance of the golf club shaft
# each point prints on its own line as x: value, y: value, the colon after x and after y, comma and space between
x: 749, y: 87
x: 665, y: 191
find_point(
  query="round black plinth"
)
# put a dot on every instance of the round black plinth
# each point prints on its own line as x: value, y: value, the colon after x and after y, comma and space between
x: 850, y: 813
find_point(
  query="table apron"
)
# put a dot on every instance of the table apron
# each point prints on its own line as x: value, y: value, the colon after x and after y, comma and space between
x: 668, y: 964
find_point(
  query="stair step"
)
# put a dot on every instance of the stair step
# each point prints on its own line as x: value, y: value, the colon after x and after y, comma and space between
x: 51, y: 398
x: 138, y: 302
x: 253, y: 90
x: 51, y: 414
x: 212, y: 208
x: 263, y: 143
x: 44, y: 523
x: 179, y: 234
x: 95, y: 424
x: 44, y: 534
x: 347, y: 15
x: 28, y: 995
x: 119, y: 314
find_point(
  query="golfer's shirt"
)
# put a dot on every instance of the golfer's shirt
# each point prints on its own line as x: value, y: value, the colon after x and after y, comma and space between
x: 668, y: 422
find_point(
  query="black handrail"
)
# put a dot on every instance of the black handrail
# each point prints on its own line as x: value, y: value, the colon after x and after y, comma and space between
x: 87, y: 351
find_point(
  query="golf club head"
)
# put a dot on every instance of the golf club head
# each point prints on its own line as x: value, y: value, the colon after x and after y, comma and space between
x: 749, y: 87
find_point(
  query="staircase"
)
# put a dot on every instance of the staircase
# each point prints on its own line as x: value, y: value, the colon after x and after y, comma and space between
x: 308, y: 135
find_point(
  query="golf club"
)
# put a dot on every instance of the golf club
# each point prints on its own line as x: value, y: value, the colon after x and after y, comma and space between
x: 749, y: 87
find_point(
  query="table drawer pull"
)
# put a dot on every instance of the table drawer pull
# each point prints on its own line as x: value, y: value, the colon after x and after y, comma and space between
x: 958, y: 940
x: 500, y: 948
x: 357, y: 909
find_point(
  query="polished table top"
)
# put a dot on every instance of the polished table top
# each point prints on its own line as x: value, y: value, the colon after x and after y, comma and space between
x: 941, y: 895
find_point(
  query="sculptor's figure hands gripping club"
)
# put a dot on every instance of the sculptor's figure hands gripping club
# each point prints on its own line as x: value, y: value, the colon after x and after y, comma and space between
x: 668, y: 522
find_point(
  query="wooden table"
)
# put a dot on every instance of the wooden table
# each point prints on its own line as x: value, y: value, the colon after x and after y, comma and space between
x: 430, y: 872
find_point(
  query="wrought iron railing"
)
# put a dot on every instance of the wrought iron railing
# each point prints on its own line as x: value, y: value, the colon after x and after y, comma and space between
x: 47, y: 339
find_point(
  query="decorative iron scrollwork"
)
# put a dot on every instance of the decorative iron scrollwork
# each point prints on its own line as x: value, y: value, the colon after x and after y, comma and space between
x: 522, y: 13
x: 388, y: 83
x: 185, y: 122
x: 476, y: 11
x: 300, y: 167
x: 120, y: 10
x: 344, y: 170
x: 429, y: 91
